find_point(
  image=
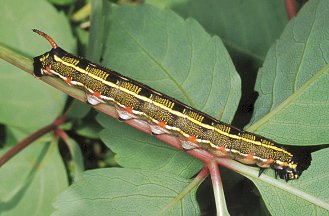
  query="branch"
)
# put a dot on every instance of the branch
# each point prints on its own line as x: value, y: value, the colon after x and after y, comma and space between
x: 291, y: 8
x: 30, y: 139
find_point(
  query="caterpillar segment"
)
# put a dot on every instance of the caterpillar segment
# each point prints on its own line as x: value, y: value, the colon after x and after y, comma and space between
x: 164, y: 114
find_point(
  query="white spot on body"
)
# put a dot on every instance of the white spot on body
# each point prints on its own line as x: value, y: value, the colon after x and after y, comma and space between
x: 187, y: 145
x: 124, y: 115
x: 157, y: 130
x: 93, y: 100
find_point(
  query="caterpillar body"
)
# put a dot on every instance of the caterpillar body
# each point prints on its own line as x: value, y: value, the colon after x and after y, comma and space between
x: 166, y: 115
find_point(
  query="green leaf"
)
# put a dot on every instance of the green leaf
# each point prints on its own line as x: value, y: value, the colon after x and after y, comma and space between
x: 98, y: 14
x: 14, y: 135
x: 30, y: 181
x: 89, y: 128
x: 135, y: 149
x: 77, y: 110
x: 62, y: 2
x: 175, y: 56
x: 292, y: 107
x: 118, y: 191
x: 314, y: 196
x: 246, y: 27
x: 24, y: 98
x: 77, y: 165
x: 143, y: 43
x: 84, y: 119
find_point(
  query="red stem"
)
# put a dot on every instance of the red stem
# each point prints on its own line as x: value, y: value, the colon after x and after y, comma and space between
x: 291, y: 8
x: 61, y: 133
x: 203, y: 173
x: 218, y: 188
x: 31, y: 138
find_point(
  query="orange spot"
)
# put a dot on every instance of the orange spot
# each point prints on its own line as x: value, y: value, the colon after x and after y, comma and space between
x: 97, y: 94
x: 269, y: 161
x: 222, y: 148
x: 162, y: 124
x: 191, y: 139
x: 128, y: 109
x: 68, y: 80
x: 250, y: 156
x: 48, y: 69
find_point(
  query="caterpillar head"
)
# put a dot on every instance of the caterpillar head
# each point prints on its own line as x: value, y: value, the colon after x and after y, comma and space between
x: 41, y: 63
x: 299, y: 162
x: 290, y: 173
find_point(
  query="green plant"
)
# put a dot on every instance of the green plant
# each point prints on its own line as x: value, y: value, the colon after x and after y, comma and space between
x: 147, y: 43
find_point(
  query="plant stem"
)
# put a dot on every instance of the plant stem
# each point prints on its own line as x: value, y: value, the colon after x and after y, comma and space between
x: 291, y: 8
x: 218, y: 188
x: 28, y: 140
x: 81, y: 14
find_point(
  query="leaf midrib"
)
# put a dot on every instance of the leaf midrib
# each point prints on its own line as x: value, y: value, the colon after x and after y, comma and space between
x: 259, y: 123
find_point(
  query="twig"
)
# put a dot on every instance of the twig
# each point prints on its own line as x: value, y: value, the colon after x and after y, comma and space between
x: 218, y: 188
x: 28, y: 140
x: 291, y: 8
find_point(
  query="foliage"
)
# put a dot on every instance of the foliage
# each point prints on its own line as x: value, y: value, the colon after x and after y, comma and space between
x: 177, y: 47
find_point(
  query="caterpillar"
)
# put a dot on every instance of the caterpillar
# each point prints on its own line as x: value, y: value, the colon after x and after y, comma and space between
x: 166, y: 115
